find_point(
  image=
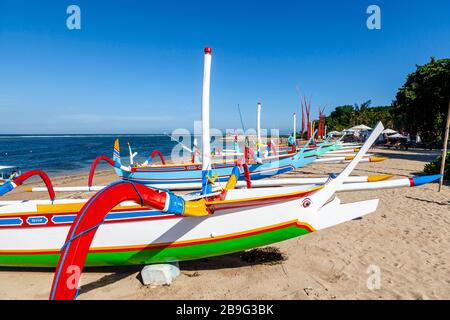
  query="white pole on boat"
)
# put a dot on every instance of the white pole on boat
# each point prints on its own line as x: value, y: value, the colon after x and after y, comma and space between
x: 348, y: 159
x: 68, y: 189
x: 396, y: 183
x: 206, y: 148
x: 325, y: 155
x: 344, y: 150
x: 295, y: 127
x: 239, y: 184
x: 258, y: 127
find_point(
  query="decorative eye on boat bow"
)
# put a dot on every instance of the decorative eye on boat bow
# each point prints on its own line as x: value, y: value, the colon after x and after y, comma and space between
x: 306, y: 203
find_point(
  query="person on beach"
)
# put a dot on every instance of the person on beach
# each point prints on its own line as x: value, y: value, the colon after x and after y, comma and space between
x: 291, y: 140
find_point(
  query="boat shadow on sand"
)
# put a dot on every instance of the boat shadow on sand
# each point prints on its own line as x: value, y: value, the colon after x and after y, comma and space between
x: 265, y: 256
x: 258, y: 256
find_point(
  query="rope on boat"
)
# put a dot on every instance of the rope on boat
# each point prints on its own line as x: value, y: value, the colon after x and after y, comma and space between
x: 101, y: 222
x: 81, y: 233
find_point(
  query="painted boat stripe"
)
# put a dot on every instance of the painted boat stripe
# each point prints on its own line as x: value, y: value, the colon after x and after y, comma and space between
x: 10, y: 222
x: 64, y: 219
x: 139, y: 214
x: 132, y: 215
x: 111, y: 217
x: 230, y: 236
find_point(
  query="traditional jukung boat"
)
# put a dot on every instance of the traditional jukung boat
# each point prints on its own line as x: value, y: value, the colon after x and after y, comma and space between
x: 166, y: 176
x: 143, y: 225
x: 33, y: 232
x: 179, y: 228
x: 192, y: 172
x: 9, y: 172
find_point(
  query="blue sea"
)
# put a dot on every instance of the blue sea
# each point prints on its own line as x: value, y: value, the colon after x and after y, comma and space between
x: 62, y: 154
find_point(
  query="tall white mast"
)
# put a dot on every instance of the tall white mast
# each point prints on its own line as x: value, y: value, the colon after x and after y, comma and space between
x: 206, y: 148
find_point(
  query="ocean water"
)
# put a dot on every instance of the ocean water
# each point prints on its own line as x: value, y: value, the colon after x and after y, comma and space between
x: 62, y: 154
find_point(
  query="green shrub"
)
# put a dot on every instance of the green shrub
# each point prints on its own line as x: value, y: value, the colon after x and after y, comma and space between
x: 434, y: 167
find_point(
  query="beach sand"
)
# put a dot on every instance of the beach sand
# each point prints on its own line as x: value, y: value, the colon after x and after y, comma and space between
x: 407, y: 239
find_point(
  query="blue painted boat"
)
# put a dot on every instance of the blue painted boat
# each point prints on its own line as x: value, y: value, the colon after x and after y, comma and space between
x: 192, y: 172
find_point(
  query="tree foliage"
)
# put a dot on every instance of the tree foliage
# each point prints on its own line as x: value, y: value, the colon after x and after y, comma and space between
x: 347, y: 116
x: 421, y: 104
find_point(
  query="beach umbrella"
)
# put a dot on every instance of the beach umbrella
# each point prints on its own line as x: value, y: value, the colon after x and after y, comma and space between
x: 334, y: 133
x: 397, y: 136
x: 389, y: 131
x: 361, y: 127
x: 348, y: 131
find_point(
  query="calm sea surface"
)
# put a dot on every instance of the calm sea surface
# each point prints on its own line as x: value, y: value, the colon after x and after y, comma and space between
x: 60, y: 154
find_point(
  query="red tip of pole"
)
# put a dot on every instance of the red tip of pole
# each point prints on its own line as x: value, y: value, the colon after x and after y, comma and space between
x: 208, y: 50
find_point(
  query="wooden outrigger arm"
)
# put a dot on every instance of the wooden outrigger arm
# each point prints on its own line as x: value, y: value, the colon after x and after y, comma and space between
x: 11, y: 185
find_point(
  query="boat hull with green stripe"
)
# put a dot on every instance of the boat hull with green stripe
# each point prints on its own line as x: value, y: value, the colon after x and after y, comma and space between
x: 163, y: 254
x: 133, y: 235
x: 111, y: 229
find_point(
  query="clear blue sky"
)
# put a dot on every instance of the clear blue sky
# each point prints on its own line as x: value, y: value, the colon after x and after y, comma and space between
x: 136, y: 66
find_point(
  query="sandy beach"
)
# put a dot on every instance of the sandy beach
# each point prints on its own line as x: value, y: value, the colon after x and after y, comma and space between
x: 407, y: 238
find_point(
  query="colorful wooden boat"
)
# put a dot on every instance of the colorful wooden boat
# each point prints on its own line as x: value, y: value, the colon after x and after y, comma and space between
x: 129, y: 223
x: 167, y: 228
x: 9, y: 172
x: 178, y: 228
x: 134, y: 224
x: 192, y: 172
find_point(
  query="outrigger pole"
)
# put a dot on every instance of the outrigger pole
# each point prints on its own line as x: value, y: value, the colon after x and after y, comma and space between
x: 180, y: 143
